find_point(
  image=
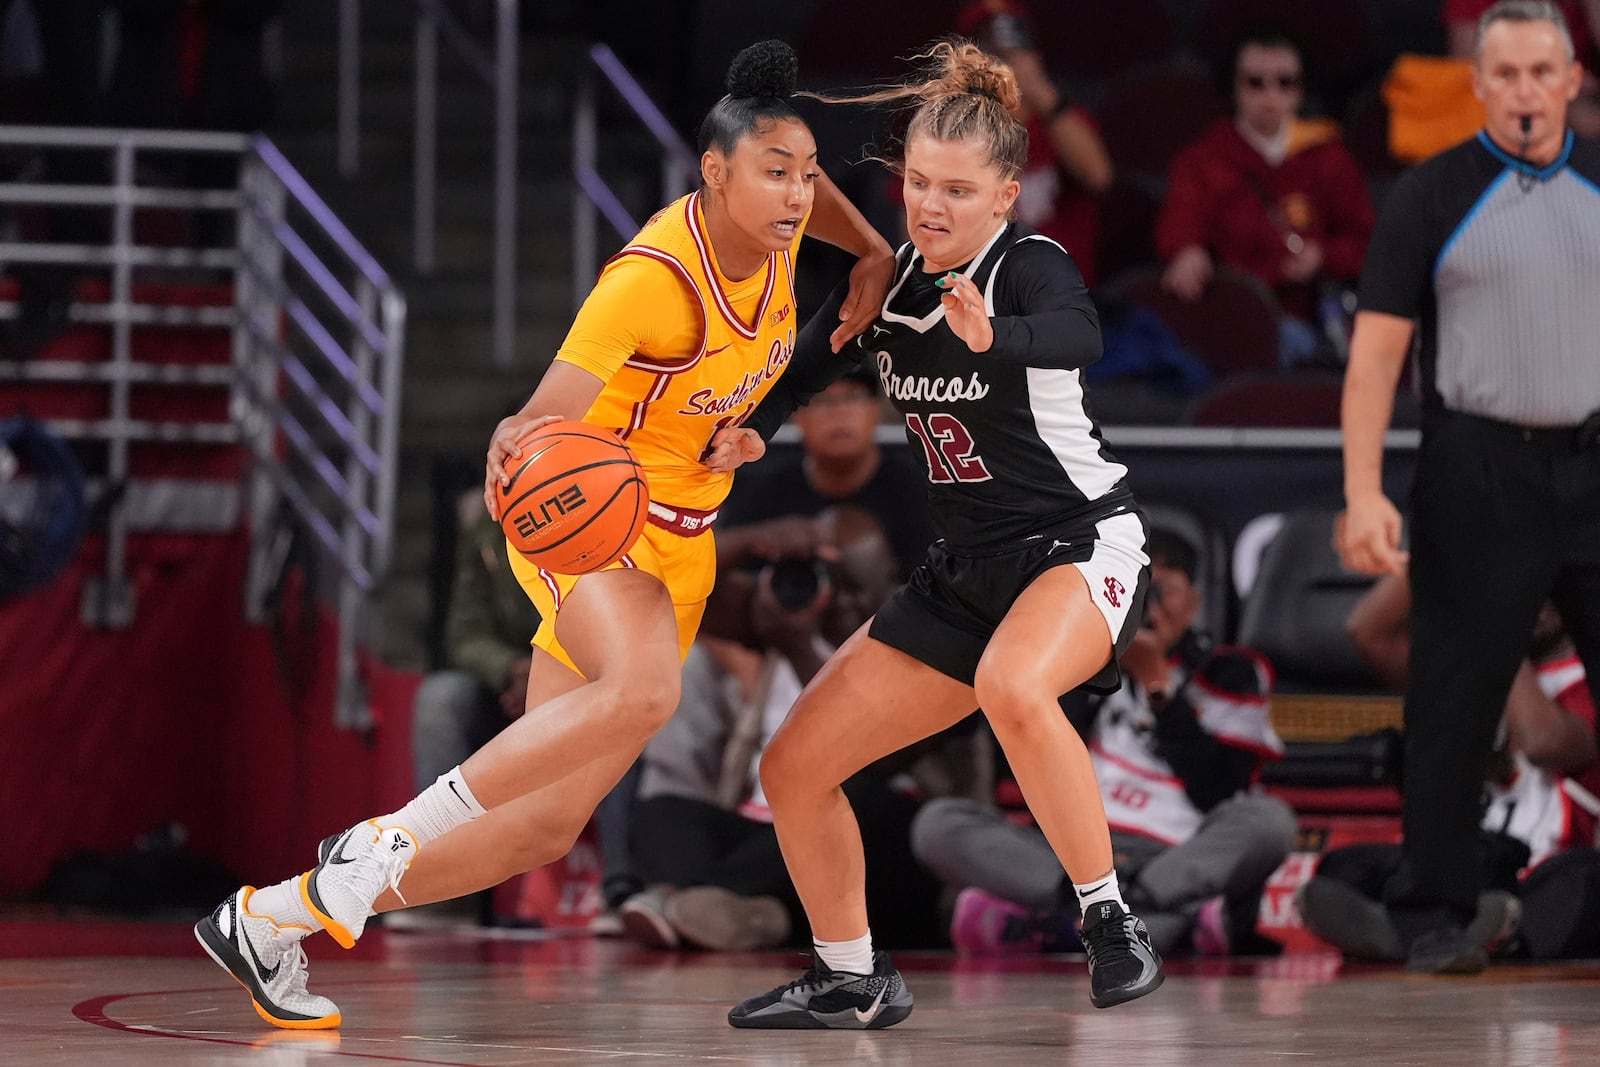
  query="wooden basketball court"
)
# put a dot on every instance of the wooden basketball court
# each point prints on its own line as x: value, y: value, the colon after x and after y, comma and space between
x: 104, y: 993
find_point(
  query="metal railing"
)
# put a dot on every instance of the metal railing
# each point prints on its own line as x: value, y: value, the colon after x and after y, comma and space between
x: 316, y: 339
x: 592, y: 195
x: 497, y: 69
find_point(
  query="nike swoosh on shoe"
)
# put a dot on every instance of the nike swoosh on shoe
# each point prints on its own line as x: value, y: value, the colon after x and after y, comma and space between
x: 261, y: 969
x: 864, y: 1017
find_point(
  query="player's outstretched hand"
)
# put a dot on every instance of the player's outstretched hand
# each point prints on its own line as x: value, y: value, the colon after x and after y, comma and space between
x: 733, y: 446
x: 964, y: 311
x: 502, y: 447
x: 869, y: 285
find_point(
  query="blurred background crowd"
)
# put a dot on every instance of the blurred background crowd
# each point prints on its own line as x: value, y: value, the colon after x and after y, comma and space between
x: 1215, y: 167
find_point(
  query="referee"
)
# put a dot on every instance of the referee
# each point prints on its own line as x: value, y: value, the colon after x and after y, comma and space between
x: 1490, y: 252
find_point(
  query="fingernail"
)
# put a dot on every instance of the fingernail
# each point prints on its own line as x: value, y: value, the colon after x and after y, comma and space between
x: 946, y: 282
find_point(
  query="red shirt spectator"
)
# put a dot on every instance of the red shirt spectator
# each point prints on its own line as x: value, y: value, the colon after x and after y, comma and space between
x: 1265, y: 192
x: 1055, y: 204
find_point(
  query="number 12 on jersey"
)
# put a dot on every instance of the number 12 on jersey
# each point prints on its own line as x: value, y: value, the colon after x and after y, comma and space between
x: 947, y: 445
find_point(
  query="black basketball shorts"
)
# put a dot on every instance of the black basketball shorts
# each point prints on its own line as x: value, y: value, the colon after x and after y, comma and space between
x: 949, y: 609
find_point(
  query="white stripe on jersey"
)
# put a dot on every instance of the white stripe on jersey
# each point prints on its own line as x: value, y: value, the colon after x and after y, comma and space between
x: 1056, y: 400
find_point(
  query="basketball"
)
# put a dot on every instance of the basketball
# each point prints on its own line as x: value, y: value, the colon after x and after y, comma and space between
x: 577, y: 498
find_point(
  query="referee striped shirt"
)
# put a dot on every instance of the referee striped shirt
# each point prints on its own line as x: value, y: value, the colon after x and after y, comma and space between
x: 1499, y: 262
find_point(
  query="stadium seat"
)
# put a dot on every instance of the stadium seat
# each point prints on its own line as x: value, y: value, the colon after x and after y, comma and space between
x: 1232, y: 328
x: 1301, y: 400
x: 1297, y: 607
x: 1092, y: 40
x: 1366, y: 135
x: 1148, y: 115
x: 1128, y: 212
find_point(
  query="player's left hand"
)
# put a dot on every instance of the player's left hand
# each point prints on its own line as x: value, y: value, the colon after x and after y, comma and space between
x: 733, y: 446
x: 965, y: 312
x: 869, y: 285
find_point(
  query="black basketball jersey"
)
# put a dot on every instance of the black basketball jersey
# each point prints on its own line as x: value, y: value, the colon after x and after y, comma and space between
x: 1009, y: 447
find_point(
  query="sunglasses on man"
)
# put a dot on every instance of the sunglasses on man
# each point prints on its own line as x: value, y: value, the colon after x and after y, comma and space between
x: 1261, y: 81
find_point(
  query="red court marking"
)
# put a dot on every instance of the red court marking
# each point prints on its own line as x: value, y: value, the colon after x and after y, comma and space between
x: 93, y: 1011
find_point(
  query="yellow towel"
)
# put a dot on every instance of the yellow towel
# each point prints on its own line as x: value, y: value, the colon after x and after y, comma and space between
x: 1431, y: 105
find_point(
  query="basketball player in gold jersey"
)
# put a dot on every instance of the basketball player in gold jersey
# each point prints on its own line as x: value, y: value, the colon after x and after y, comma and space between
x: 681, y: 338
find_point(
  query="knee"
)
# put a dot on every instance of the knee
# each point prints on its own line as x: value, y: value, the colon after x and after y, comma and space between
x: 785, y: 772
x: 1274, y: 823
x: 636, y: 705
x: 1009, y: 698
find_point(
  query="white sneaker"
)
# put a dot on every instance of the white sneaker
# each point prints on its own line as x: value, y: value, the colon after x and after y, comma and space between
x: 353, y: 872
x: 268, y: 961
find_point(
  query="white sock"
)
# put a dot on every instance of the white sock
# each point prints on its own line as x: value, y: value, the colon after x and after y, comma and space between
x: 852, y: 957
x: 438, y: 809
x: 1099, y: 891
x: 283, y: 904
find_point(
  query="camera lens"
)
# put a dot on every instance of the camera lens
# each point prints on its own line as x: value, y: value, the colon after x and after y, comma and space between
x: 795, y: 582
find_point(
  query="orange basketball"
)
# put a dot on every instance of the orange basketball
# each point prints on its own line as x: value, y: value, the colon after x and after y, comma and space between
x: 577, y: 498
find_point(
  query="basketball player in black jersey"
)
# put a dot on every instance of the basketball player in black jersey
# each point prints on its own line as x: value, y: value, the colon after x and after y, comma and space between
x: 1035, y: 586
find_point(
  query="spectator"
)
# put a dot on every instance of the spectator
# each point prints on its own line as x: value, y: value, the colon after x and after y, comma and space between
x: 1068, y: 167
x: 1270, y: 194
x: 1175, y: 751
x: 1461, y: 18
x: 702, y: 833
x: 1482, y: 257
x: 1540, y: 811
x: 839, y: 463
x: 488, y: 624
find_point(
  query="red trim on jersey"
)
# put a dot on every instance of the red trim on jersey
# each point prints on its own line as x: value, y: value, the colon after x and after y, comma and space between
x: 550, y: 584
x: 1233, y: 696
x: 639, y: 362
x: 657, y: 391
x: 702, y: 242
x: 1142, y: 772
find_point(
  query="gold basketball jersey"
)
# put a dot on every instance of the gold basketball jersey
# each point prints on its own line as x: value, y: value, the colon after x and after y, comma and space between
x: 667, y: 410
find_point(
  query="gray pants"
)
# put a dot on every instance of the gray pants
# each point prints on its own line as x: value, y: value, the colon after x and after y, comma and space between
x: 1238, y: 846
x: 453, y: 716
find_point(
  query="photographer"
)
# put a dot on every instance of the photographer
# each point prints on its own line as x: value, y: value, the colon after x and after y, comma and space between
x: 770, y: 512
x: 702, y: 835
x: 1176, y: 750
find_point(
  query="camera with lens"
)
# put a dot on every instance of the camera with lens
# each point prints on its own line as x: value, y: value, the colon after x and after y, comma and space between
x: 797, y: 582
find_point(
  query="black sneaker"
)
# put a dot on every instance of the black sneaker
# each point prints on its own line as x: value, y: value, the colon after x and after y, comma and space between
x: 1350, y: 921
x: 830, y: 1000
x: 1450, y: 950
x: 1123, y: 964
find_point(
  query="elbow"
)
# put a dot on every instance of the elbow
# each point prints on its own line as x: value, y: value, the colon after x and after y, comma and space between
x: 1090, y: 354
x: 1090, y: 348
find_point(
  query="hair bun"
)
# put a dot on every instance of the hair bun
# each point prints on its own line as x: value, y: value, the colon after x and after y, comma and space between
x: 766, y: 70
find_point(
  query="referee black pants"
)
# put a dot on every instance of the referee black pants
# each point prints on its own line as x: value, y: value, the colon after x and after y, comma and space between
x: 1502, y: 518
